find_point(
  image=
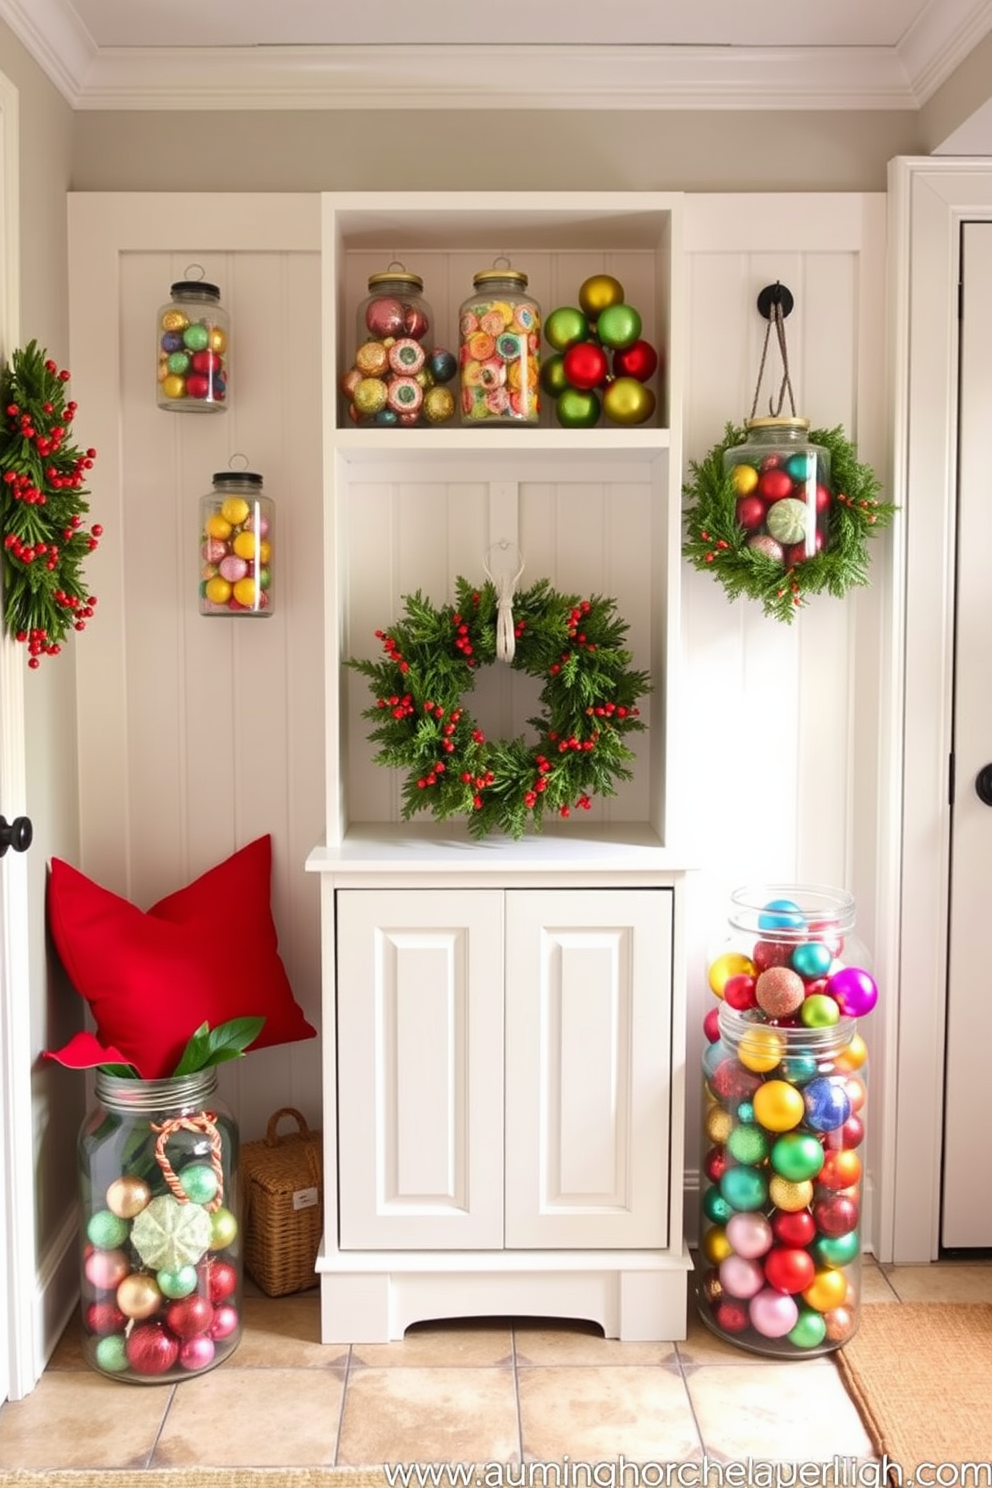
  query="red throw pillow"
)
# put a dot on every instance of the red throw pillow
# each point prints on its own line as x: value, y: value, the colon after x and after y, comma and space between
x: 203, y: 955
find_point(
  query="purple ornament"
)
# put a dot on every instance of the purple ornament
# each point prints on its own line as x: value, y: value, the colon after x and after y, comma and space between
x: 740, y: 1277
x: 773, y: 1314
x: 853, y: 990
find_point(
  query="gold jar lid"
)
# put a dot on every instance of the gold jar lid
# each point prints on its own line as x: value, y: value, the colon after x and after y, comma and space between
x: 503, y: 276
x: 777, y: 423
x: 397, y: 276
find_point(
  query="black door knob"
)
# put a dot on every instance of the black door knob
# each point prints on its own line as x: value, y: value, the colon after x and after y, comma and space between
x: 16, y: 834
x: 983, y: 784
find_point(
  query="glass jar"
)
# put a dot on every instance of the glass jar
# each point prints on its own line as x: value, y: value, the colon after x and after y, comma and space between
x: 785, y: 1079
x: 394, y: 371
x: 159, y: 1228
x: 194, y: 332
x: 499, y: 357
x: 783, y: 489
x: 237, y: 536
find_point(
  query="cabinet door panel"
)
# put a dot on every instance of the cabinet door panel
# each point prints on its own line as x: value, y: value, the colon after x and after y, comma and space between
x: 420, y: 1034
x: 588, y: 1018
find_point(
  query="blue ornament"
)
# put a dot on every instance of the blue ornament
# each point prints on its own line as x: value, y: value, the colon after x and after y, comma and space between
x: 745, y: 1112
x: 781, y: 914
x: 172, y: 341
x: 828, y: 1104
x: 443, y: 364
x: 811, y: 959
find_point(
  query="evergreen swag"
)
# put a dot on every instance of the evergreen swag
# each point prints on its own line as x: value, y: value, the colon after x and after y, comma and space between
x: 589, y: 699
x: 716, y: 543
x: 42, y: 504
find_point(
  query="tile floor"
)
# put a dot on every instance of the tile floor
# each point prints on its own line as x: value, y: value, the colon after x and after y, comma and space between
x: 480, y: 1391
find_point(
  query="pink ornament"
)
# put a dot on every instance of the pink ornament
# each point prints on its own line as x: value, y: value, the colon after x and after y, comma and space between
x: 384, y: 317
x: 225, y: 1322
x: 740, y: 1277
x: 213, y: 550
x: 197, y: 1353
x: 750, y: 1234
x: 106, y: 1269
x: 773, y: 1314
x: 233, y: 568
x: 854, y: 991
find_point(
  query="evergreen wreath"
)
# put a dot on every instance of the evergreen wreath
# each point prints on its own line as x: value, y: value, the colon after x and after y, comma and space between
x: 716, y: 543
x: 42, y: 504
x: 589, y: 697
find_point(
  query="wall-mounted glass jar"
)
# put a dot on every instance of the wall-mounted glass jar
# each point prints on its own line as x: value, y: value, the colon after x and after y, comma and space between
x: 160, y: 1243
x: 499, y: 357
x: 783, y: 489
x: 193, y: 349
x: 236, y: 546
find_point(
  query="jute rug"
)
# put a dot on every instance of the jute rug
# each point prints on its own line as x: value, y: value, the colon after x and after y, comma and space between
x: 199, y: 1477
x: 920, y: 1374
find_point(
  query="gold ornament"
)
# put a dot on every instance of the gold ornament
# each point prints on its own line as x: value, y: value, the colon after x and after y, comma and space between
x: 217, y: 340
x: 790, y: 1196
x: 719, y: 1125
x: 439, y: 405
x: 372, y: 359
x: 716, y: 1247
x: 370, y: 396
x: 127, y: 1196
x: 138, y: 1295
x: 175, y: 320
x: 628, y: 402
x: 599, y: 292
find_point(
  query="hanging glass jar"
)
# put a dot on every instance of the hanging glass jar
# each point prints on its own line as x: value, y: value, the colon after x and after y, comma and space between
x: 193, y: 349
x: 785, y: 1074
x: 783, y: 489
x: 237, y: 540
x: 159, y: 1232
x: 397, y: 376
x: 499, y: 354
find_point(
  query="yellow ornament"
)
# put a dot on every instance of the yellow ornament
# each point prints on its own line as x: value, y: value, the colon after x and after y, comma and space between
x: 235, y: 510
x: 218, y: 526
x: 854, y: 1056
x: 745, y: 479
x: 716, y: 1247
x: 598, y: 293
x: 760, y: 1050
x: 719, y: 1125
x: 628, y: 402
x: 173, y: 386
x: 245, y: 593
x: 217, y: 341
x: 245, y: 544
x: 127, y: 1196
x: 138, y: 1295
x: 224, y: 1229
x: 217, y: 590
x: 731, y: 963
x: 778, y: 1106
x: 827, y: 1290
x: 175, y: 320
x: 790, y: 1196
x: 370, y: 396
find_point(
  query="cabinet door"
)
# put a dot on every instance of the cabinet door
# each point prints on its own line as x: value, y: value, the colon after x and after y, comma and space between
x: 420, y: 1069
x: 588, y: 1067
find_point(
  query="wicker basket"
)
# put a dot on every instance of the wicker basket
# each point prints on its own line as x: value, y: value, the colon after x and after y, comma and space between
x: 282, y: 1183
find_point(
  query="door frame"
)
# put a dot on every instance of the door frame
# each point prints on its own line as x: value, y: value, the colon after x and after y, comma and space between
x: 929, y: 198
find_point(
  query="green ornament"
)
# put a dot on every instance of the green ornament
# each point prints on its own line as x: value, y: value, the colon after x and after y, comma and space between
x: 199, y: 1183
x: 111, y: 1353
x: 748, y: 1144
x: 797, y: 1156
x: 168, y: 1235
x: 715, y: 1206
x: 176, y: 1284
x: 836, y: 1250
x: 553, y: 379
x: 618, y: 326
x: 744, y: 1188
x: 196, y: 337
x: 809, y: 1330
x: 578, y: 409
x: 786, y: 520
x: 223, y: 1229
x: 566, y: 327
x: 106, y: 1231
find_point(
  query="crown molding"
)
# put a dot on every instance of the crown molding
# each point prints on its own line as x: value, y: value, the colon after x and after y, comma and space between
x: 940, y: 41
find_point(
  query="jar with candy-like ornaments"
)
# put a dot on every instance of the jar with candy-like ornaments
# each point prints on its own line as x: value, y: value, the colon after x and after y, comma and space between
x: 499, y: 357
x: 785, y: 1078
x: 397, y: 376
x: 783, y: 489
x: 159, y: 1228
x: 237, y: 538
x: 194, y: 332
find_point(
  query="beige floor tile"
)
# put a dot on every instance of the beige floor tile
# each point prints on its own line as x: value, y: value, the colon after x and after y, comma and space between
x: 600, y: 1414
x: 77, y: 1419
x: 253, y: 1418
x: 874, y: 1283
x: 947, y: 1281
x: 475, y: 1341
x: 776, y: 1413
x: 284, y: 1333
x: 433, y: 1414
x: 566, y: 1342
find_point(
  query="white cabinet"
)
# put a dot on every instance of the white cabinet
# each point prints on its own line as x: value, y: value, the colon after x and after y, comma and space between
x: 557, y: 1139
x: 504, y: 1021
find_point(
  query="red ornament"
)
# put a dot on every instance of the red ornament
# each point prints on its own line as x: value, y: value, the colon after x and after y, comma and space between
x: 789, y: 1269
x: 585, y: 365
x: 768, y: 953
x: 750, y: 513
x: 716, y: 1163
x: 774, y: 484
x: 835, y: 1213
x: 793, y: 1227
x: 222, y: 1280
x: 738, y: 992
x: 105, y: 1317
x: 639, y: 360
x: 151, y: 1350
x: 190, y: 1315
x: 840, y: 1169
x: 730, y: 1315
x: 711, y: 1025
x: 731, y: 1082
x: 850, y: 1135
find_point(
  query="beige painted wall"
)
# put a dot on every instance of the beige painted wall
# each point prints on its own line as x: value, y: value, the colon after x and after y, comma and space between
x: 960, y: 97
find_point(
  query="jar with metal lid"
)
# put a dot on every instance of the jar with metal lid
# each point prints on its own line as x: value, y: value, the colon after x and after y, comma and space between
x: 499, y: 358
x: 193, y: 349
x: 782, y: 484
x: 236, y: 546
x: 160, y: 1230
x: 396, y: 369
x: 785, y: 1077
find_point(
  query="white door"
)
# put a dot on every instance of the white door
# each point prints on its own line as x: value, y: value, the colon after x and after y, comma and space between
x: 588, y: 1067
x: 966, y: 1212
x: 420, y: 1069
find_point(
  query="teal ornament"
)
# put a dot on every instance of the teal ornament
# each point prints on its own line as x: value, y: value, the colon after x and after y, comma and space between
x: 781, y: 914
x: 812, y: 959
x: 798, y: 1069
x: 106, y: 1231
x: 801, y: 467
x: 836, y: 1250
x: 179, y: 1283
x: 199, y: 1183
x: 745, y: 1112
x: 618, y: 326
x: 748, y: 1144
x: 797, y: 1156
x: 715, y: 1206
x: 744, y: 1188
x: 810, y: 1329
x: 111, y: 1353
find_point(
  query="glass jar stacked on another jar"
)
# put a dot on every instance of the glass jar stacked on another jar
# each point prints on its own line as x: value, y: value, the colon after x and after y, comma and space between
x: 784, y: 1095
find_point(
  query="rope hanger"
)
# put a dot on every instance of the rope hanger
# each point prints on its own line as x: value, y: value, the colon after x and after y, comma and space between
x: 775, y: 302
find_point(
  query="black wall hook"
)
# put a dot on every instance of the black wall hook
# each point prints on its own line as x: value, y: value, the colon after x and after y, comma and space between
x: 775, y: 294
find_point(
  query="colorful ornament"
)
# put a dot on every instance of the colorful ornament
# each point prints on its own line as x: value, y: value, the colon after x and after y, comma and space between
x: 740, y: 1277
x: 189, y: 1316
x: 106, y: 1269
x: 797, y: 1156
x: 111, y: 1353
x: 105, y: 1230
x: 127, y: 1196
x: 151, y: 1350
x: 778, y: 1106
x: 750, y: 1234
x: 828, y: 1104
x: 744, y: 1188
x: 730, y: 964
x: 565, y: 327
x: 598, y: 346
x: 138, y: 1295
x: 779, y: 992
x: 854, y: 991
x: 810, y: 1329
x: 773, y: 1314
x: 789, y: 1269
x: 199, y: 1183
x: 197, y: 1352
x: 628, y: 402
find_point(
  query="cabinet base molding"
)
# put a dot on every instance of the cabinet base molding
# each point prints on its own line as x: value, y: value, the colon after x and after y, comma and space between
x: 635, y: 1297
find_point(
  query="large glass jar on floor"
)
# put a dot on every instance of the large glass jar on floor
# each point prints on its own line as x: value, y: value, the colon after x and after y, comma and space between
x: 784, y: 1104
x: 160, y: 1248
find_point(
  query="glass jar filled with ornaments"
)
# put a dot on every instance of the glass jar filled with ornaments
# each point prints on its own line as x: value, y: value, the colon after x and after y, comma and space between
x: 193, y: 349
x: 499, y: 356
x: 782, y: 484
x: 160, y: 1243
x: 785, y: 1079
x: 397, y: 375
x: 236, y: 546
